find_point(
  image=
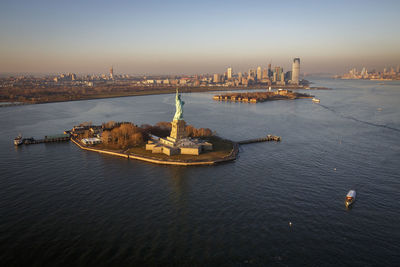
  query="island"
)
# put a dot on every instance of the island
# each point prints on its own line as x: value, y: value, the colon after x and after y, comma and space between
x: 173, y: 143
x: 256, y: 97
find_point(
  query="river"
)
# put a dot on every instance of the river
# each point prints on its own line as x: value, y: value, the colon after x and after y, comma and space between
x: 278, y: 204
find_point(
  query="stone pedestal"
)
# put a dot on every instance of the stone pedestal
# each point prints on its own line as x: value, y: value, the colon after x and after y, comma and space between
x: 178, y: 130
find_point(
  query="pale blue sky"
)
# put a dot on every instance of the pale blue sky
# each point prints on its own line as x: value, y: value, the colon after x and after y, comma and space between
x: 196, y: 36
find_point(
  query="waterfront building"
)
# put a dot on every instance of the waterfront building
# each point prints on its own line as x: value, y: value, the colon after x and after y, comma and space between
x: 296, y: 71
x: 229, y: 73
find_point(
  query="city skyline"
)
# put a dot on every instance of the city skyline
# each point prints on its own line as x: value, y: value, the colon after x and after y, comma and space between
x: 192, y: 38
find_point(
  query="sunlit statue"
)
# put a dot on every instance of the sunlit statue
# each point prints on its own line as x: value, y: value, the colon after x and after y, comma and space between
x: 179, y: 106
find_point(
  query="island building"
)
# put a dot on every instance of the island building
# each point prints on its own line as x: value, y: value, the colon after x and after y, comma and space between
x: 178, y: 142
x: 295, y: 71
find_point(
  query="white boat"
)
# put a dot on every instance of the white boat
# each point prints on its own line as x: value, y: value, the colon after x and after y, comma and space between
x: 315, y: 100
x: 18, y: 140
x: 350, y: 198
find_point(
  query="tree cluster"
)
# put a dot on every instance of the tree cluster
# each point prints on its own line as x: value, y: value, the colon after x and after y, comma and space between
x: 201, y: 132
x: 122, y: 135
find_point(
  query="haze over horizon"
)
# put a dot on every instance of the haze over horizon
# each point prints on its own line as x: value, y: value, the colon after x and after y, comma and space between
x: 189, y: 37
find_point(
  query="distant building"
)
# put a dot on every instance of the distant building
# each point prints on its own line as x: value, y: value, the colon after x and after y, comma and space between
x: 216, y: 78
x: 288, y: 75
x: 252, y: 73
x: 265, y: 74
x: 270, y: 73
x: 277, y: 74
x: 282, y: 80
x: 258, y: 73
x: 364, y: 72
x: 296, y: 71
x: 111, y: 73
x: 229, y: 73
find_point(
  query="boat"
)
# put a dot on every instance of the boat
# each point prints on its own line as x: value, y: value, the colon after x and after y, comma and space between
x: 350, y: 198
x: 18, y: 140
x: 315, y: 100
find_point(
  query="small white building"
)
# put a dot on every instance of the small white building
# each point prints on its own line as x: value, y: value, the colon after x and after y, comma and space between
x: 91, y: 141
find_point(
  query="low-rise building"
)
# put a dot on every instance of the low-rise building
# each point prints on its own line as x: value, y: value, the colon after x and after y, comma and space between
x: 91, y: 141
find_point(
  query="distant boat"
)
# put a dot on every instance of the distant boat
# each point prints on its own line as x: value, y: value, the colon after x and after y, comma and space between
x: 350, y: 198
x: 315, y: 100
x: 18, y: 140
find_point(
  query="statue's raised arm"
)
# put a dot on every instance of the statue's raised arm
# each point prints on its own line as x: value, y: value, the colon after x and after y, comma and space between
x: 179, y: 106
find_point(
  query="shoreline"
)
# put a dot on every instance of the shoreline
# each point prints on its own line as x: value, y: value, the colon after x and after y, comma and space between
x: 232, y: 156
x: 162, y: 92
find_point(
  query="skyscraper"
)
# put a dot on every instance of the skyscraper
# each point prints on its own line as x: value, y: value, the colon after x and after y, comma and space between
x: 229, y: 73
x: 269, y: 70
x: 111, y: 73
x: 216, y: 78
x: 265, y: 74
x: 259, y: 73
x: 295, y: 71
x: 278, y: 71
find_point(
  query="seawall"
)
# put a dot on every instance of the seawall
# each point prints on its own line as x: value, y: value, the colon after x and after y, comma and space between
x: 232, y: 156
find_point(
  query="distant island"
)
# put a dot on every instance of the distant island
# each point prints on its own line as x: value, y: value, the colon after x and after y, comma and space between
x: 256, y: 97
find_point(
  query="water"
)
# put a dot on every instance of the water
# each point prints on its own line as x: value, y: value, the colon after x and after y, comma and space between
x: 59, y: 204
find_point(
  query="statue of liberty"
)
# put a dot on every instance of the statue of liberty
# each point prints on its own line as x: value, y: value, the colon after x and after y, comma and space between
x: 179, y: 106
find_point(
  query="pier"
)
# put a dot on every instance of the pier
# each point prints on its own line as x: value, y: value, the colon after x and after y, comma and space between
x: 46, y: 139
x: 263, y: 139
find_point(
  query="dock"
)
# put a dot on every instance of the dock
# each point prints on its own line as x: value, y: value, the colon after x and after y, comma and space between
x: 47, y: 139
x: 263, y: 139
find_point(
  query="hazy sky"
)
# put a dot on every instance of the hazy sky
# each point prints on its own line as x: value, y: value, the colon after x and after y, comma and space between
x: 196, y: 36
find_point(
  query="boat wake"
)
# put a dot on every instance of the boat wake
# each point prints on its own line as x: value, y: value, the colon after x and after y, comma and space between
x: 361, y: 121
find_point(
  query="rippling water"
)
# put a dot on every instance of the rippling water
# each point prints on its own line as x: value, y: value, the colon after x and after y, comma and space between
x: 60, y: 205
